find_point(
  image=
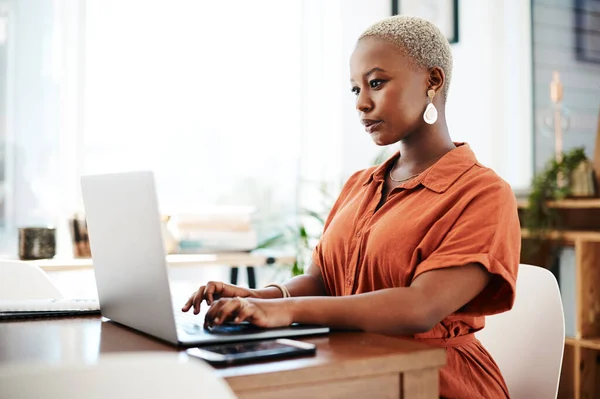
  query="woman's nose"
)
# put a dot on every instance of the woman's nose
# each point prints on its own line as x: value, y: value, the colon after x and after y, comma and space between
x: 364, y: 103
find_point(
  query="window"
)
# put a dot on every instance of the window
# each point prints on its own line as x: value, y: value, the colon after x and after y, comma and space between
x: 207, y: 94
x: 4, y: 21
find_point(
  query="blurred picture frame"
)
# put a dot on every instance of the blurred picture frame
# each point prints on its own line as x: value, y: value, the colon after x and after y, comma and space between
x: 442, y: 13
x: 587, y: 26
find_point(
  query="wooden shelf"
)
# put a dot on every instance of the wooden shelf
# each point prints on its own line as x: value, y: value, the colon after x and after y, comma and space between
x: 233, y: 259
x: 590, y: 343
x: 568, y: 235
x: 568, y: 203
x: 580, y: 218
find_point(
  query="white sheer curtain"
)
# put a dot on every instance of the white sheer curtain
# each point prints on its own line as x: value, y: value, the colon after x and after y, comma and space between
x: 40, y: 114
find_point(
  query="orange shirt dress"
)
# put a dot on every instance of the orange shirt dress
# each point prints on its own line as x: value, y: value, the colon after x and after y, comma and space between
x: 454, y: 213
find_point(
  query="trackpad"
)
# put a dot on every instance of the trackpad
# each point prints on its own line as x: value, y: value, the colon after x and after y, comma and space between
x: 233, y: 329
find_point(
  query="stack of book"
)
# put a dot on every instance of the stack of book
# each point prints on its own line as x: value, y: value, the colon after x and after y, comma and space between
x: 216, y: 229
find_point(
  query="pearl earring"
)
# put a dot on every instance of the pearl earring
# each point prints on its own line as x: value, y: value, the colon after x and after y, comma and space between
x: 430, y: 115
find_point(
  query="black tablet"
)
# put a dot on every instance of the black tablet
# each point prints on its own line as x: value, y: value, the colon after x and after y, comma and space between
x: 244, y: 352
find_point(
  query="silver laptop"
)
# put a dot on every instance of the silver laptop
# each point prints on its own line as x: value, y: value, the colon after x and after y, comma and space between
x: 125, y: 235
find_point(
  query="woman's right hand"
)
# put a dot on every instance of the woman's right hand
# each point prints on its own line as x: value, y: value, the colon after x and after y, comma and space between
x: 214, y: 290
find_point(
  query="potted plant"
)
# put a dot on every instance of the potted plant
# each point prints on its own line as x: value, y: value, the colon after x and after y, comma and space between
x: 554, y: 183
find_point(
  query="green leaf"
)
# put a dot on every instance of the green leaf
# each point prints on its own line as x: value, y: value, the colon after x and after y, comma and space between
x: 315, y: 215
x: 272, y: 241
x: 297, y: 269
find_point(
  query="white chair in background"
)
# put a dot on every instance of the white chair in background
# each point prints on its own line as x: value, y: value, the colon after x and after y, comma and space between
x: 131, y: 375
x: 23, y: 280
x: 528, y: 341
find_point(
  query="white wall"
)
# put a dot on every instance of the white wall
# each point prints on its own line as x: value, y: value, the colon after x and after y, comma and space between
x: 322, y: 109
x: 358, y: 149
x: 489, y: 104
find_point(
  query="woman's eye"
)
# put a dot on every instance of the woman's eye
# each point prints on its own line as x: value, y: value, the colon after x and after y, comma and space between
x: 355, y: 90
x: 375, y: 83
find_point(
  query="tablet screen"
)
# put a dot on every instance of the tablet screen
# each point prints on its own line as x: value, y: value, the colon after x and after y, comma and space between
x: 252, y: 351
x: 251, y: 347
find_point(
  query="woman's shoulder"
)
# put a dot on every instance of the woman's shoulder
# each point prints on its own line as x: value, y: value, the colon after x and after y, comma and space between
x: 485, y: 180
x: 485, y: 175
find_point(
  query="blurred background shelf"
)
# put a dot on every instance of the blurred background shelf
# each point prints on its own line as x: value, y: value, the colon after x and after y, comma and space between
x: 567, y: 203
x: 572, y: 253
x: 233, y: 259
x: 569, y: 236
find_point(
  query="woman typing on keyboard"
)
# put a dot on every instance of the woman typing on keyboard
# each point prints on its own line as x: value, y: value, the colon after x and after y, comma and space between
x: 424, y: 245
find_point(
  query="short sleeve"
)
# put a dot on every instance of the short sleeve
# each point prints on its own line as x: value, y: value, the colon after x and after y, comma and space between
x: 486, y: 232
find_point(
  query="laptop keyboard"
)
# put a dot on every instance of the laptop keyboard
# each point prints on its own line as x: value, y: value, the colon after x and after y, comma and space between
x: 188, y: 317
x: 189, y: 323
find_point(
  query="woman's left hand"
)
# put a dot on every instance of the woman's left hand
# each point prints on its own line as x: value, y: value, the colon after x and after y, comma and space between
x: 266, y: 313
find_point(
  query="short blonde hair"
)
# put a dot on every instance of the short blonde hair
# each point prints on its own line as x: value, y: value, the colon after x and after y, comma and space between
x: 421, y: 40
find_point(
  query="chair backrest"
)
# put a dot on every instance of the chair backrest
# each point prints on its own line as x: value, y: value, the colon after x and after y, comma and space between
x: 143, y: 375
x: 23, y: 280
x: 527, y: 342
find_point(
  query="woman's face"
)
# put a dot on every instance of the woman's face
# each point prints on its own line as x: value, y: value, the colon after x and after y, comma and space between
x: 391, y: 92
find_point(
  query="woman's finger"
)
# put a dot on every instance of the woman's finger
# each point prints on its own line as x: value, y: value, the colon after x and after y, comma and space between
x: 189, y: 302
x: 228, y: 310
x: 208, y: 292
x: 246, y: 312
x: 212, y: 288
x: 214, y: 310
x: 198, y: 299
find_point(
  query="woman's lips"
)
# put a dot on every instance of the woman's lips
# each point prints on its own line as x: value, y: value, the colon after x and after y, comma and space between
x: 372, y: 125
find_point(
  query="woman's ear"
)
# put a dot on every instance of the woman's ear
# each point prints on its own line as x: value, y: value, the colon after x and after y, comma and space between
x: 436, y: 79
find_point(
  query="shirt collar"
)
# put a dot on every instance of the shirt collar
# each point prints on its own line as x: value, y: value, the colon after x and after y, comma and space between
x: 439, y: 176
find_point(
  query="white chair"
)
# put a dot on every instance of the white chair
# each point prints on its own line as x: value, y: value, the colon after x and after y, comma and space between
x: 528, y: 341
x: 143, y: 375
x: 23, y: 280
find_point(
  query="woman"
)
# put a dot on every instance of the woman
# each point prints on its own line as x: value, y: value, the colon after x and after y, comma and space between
x: 424, y: 245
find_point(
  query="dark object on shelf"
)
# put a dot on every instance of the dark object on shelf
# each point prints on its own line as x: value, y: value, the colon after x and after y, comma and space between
x: 443, y: 14
x: 37, y: 243
x: 80, y: 238
x: 587, y: 26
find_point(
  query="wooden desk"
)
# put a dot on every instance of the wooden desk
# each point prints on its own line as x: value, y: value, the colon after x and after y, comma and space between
x: 346, y: 365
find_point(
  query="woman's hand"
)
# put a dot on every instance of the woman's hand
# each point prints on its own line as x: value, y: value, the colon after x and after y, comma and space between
x: 264, y: 313
x: 212, y: 291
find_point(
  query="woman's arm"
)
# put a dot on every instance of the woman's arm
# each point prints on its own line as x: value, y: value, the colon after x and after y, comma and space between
x: 431, y: 297
x: 309, y: 284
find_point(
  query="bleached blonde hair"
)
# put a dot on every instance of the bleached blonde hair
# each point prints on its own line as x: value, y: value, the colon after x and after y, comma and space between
x: 419, y: 39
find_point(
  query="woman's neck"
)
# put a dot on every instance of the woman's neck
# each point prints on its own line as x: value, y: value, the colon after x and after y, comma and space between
x: 422, y: 148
